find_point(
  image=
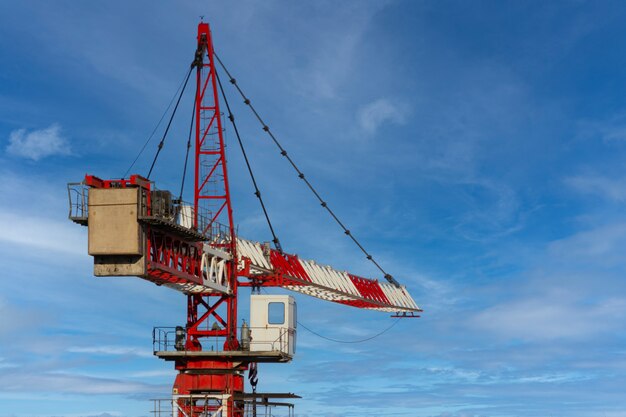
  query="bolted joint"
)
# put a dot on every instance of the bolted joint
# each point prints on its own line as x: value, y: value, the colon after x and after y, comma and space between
x: 258, y: 194
x: 301, y: 176
x: 392, y: 280
x: 199, y: 56
x: 347, y: 232
x: 283, y: 153
x: 246, y: 101
x: 231, y: 117
x: 323, y: 204
x: 266, y: 128
x: 233, y: 81
x: 197, y: 61
x: 369, y: 257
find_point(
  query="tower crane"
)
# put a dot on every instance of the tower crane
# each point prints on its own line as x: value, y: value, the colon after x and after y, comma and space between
x: 135, y: 229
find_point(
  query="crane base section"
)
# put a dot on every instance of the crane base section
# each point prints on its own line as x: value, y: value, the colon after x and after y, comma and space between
x: 210, y: 405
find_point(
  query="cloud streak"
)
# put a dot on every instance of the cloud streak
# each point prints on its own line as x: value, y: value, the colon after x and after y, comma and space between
x: 378, y: 113
x: 73, y: 384
x: 41, y: 233
x: 38, y: 144
x: 608, y: 188
x: 111, y: 350
x: 551, y: 318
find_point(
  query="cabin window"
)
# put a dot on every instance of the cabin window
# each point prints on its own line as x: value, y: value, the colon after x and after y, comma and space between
x: 276, y: 313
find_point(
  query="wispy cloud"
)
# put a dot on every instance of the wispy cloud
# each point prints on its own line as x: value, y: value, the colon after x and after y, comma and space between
x: 154, y: 373
x: 608, y: 129
x: 376, y: 114
x: 41, y: 233
x: 72, y: 383
x: 327, y: 54
x: 493, y: 209
x: 111, y: 350
x: 609, y: 188
x: 38, y: 144
x: 20, y: 318
x: 551, y: 318
x: 597, y: 247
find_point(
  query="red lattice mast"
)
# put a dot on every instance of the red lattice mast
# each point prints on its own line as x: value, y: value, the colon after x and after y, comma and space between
x: 211, y: 315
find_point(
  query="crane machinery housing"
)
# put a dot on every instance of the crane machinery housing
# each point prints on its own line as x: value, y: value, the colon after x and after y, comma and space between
x: 135, y: 229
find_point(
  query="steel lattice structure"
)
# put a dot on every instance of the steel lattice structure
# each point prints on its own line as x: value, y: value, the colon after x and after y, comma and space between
x: 193, y: 249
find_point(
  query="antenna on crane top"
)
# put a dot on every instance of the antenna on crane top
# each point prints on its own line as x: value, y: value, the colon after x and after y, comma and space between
x: 193, y: 247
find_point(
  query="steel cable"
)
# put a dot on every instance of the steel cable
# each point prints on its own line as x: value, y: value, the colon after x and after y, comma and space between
x: 182, y: 184
x: 169, y: 123
x: 351, y: 341
x: 283, y: 152
x: 155, y: 127
x: 385, y: 330
x: 257, y: 192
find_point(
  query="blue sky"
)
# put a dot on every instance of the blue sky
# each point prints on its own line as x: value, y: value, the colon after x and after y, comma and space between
x: 476, y: 148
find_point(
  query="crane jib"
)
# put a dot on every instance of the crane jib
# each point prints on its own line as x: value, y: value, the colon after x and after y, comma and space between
x: 268, y: 267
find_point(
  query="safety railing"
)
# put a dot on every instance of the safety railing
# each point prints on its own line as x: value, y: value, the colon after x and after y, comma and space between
x: 162, y: 209
x: 199, y: 405
x: 194, y: 405
x: 278, y: 339
x: 78, y: 202
x: 178, y: 214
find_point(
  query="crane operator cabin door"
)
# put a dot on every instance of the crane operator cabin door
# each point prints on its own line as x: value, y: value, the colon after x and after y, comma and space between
x: 273, y: 323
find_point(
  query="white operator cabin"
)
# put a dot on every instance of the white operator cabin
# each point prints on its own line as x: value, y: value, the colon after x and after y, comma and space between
x: 273, y: 323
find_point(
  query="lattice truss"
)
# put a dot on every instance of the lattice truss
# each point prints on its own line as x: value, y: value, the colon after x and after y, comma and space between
x: 321, y: 281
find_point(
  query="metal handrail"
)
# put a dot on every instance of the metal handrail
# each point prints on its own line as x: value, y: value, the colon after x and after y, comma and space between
x: 164, y: 339
x: 78, y: 201
x: 183, y: 214
x: 211, y: 407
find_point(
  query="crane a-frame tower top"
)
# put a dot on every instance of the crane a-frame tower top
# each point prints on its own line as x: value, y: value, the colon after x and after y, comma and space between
x: 138, y: 230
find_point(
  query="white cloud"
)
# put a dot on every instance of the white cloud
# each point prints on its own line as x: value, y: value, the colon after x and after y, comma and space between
x: 611, y: 129
x: 153, y: 373
x: 335, y: 40
x: 598, y: 247
x: 551, y: 317
x: 20, y: 318
x: 111, y: 350
x: 41, y: 233
x: 612, y: 189
x: 72, y: 383
x: 372, y: 116
x: 491, y: 208
x: 38, y: 144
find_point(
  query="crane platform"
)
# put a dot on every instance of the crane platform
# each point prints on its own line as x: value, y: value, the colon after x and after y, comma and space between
x: 270, y: 356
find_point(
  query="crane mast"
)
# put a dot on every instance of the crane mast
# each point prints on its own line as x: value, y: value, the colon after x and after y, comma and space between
x: 213, y: 217
x: 138, y: 230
